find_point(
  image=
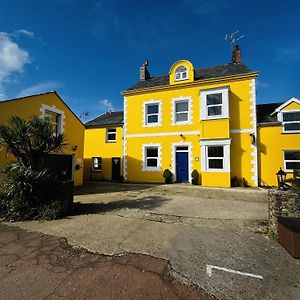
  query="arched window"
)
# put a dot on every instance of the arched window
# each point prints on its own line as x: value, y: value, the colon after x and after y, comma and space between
x: 181, y: 73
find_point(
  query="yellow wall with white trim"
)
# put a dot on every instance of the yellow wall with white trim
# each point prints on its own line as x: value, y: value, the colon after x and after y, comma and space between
x: 95, y: 145
x: 73, y: 128
x: 241, y: 117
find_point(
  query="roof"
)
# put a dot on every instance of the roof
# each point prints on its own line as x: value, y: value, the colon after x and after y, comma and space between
x: 200, y: 74
x: 107, y: 119
x: 263, y: 111
x: 41, y: 94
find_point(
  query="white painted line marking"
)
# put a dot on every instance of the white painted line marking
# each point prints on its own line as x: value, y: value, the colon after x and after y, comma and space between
x: 210, y: 267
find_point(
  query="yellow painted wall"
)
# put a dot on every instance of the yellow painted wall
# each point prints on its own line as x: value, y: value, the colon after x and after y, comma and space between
x: 95, y: 145
x: 272, y: 143
x: 216, y: 179
x: 292, y: 106
x: 240, y: 118
x: 73, y: 128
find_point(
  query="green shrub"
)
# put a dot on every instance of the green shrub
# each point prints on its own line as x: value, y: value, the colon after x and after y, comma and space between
x: 168, y: 175
x: 29, y: 194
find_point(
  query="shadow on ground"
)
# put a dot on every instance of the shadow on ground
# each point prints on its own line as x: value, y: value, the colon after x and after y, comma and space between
x: 148, y: 203
x: 102, y: 187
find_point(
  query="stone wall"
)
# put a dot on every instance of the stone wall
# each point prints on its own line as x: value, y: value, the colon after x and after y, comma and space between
x: 282, y: 203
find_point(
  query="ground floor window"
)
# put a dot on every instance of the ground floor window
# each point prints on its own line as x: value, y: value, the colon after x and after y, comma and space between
x: 215, y: 155
x: 96, y: 164
x: 151, y: 160
x: 291, y: 160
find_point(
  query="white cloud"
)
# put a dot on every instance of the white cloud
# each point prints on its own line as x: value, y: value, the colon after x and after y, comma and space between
x: 40, y: 88
x: 107, y: 104
x: 19, y: 32
x: 12, y: 58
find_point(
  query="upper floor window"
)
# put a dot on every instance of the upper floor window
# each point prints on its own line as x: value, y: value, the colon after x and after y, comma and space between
x: 152, y: 113
x: 54, y: 116
x: 111, y: 135
x: 291, y: 121
x: 291, y: 160
x: 214, y: 104
x: 54, y: 119
x: 181, y: 73
x: 181, y: 110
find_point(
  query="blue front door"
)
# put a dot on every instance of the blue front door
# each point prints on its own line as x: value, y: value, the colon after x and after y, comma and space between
x: 182, y: 166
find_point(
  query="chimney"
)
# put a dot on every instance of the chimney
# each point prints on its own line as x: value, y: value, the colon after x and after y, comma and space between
x: 236, y: 55
x: 144, y: 73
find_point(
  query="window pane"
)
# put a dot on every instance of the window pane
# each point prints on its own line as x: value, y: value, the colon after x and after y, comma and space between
x: 293, y: 165
x: 214, y: 111
x: 182, y: 106
x: 215, y: 151
x: 291, y: 116
x: 111, y: 137
x: 214, y: 99
x: 113, y: 130
x: 152, y: 119
x: 152, y: 152
x: 152, y: 109
x: 151, y: 162
x: 177, y: 76
x: 181, y: 69
x: 215, y: 163
x: 182, y: 148
x: 181, y: 117
x: 292, y: 126
x: 292, y: 155
x: 184, y: 75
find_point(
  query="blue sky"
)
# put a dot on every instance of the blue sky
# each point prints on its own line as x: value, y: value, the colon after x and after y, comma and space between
x: 91, y: 50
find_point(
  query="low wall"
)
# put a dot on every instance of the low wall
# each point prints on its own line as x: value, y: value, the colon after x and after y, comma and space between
x: 282, y: 203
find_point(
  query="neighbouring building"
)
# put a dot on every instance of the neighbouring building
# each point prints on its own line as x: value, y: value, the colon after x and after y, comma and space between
x: 50, y: 105
x: 192, y: 119
x: 279, y: 139
x: 103, y: 147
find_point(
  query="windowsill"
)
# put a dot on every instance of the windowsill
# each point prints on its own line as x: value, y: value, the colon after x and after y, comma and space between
x: 289, y: 132
x: 152, y: 125
x: 111, y: 141
x: 214, y: 118
x: 176, y: 80
x: 96, y: 170
x: 156, y: 169
x: 182, y: 123
x: 216, y: 171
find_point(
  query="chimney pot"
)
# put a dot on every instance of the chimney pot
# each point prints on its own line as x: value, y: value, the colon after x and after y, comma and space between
x: 144, y: 73
x: 236, y: 55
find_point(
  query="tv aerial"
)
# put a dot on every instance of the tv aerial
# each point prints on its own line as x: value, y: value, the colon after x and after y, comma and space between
x: 233, y: 38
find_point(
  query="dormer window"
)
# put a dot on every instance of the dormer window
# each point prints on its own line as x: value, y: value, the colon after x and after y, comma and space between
x: 181, y: 73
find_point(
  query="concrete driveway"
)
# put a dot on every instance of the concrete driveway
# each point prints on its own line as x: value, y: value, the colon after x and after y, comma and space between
x: 210, y: 236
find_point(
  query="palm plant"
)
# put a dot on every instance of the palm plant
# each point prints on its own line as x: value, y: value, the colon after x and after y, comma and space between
x: 28, y: 190
x: 30, y: 140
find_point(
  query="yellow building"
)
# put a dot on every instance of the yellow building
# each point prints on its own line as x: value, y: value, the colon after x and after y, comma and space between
x: 279, y: 139
x: 192, y: 119
x: 103, y: 147
x: 65, y: 121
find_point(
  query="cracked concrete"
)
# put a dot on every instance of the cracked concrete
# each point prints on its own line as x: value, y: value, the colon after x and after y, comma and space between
x: 189, y: 226
x: 36, y: 266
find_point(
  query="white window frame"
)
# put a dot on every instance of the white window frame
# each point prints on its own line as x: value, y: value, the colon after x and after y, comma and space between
x: 181, y: 73
x: 204, y: 144
x: 93, y: 164
x: 144, y: 165
x: 289, y: 160
x: 189, y: 112
x: 280, y: 118
x: 145, y: 114
x: 225, y: 103
x: 107, y: 134
x: 60, y: 125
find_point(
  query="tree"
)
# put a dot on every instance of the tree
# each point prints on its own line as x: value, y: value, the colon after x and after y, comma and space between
x: 30, y: 140
x: 28, y: 189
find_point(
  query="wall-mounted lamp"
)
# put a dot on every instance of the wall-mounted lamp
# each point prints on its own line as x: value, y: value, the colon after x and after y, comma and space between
x: 252, y: 135
x: 74, y: 148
